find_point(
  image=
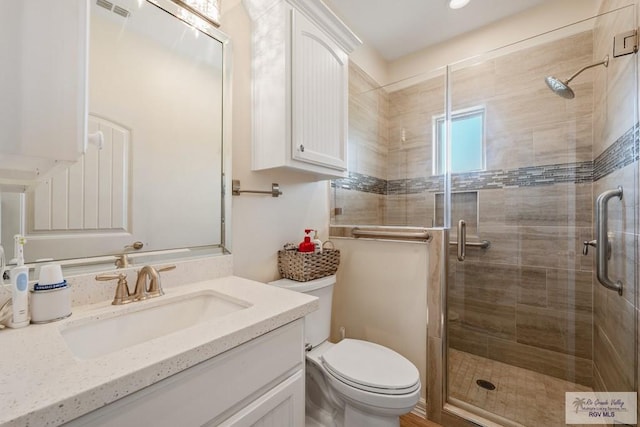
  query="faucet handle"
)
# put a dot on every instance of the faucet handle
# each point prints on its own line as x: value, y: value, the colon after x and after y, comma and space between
x: 166, y: 268
x: 122, y: 295
x: 122, y: 261
x: 586, y: 244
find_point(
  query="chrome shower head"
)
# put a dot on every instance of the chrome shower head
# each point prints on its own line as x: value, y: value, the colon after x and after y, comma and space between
x: 559, y: 87
x: 562, y: 87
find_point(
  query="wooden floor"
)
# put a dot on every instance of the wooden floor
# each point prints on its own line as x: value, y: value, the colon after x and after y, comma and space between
x: 411, y: 420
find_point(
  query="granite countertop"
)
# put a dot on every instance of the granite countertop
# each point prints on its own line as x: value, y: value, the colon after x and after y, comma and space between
x: 43, y: 384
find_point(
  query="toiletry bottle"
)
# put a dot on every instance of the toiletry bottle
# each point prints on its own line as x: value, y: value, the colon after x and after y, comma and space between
x: 306, y: 245
x: 19, y: 286
x: 317, y: 243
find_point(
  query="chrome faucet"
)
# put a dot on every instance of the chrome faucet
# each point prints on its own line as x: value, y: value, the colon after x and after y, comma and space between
x: 142, y: 291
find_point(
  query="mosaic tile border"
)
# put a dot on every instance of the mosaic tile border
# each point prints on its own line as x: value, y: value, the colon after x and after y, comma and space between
x: 624, y: 151
x: 363, y: 183
x: 621, y: 153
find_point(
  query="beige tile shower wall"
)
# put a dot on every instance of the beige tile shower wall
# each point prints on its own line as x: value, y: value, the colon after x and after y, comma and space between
x: 415, y: 210
x: 358, y: 207
x: 368, y: 125
x: 411, y: 112
x: 615, y: 92
x: 614, y: 86
x: 524, y: 125
x: 368, y: 151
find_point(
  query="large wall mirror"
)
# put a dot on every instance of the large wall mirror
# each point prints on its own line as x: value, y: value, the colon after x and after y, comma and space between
x: 154, y: 172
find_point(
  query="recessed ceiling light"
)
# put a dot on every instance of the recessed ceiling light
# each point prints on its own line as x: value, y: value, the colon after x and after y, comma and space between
x: 458, y: 4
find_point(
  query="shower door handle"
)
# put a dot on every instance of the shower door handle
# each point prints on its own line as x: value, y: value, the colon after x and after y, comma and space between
x: 462, y: 240
x: 602, y: 239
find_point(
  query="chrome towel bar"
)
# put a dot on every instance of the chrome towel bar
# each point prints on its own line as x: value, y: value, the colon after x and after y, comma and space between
x: 235, y: 189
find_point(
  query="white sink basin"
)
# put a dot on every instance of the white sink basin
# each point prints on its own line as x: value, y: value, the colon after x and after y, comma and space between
x: 100, y: 335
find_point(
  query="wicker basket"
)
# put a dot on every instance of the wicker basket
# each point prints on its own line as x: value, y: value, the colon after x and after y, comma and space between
x: 305, y: 266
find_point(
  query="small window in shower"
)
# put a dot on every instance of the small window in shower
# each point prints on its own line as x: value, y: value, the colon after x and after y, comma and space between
x: 467, y: 141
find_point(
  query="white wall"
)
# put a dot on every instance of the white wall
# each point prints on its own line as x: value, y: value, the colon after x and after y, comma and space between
x: 262, y: 224
x: 370, y: 60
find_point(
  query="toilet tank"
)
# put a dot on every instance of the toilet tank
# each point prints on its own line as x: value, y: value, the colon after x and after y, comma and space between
x: 318, y: 323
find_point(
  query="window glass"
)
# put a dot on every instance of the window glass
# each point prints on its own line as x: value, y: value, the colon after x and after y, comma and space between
x: 467, y: 141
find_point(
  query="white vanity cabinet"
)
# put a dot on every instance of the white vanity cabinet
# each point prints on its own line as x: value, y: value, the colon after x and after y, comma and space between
x: 257, y: 383
x: 300, y: 86
x: 43, y: 96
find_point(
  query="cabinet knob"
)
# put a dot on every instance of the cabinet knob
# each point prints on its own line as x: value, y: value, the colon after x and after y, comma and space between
x: 302, y: 148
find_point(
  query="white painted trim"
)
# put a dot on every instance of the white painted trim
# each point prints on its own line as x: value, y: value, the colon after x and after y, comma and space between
x: 317, y: 12
x: 329, y: 22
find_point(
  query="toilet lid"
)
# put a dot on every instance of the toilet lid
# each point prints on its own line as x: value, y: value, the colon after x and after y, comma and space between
x: 371, y: 367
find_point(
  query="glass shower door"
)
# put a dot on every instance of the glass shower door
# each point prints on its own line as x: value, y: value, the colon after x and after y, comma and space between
x: 527, y: 317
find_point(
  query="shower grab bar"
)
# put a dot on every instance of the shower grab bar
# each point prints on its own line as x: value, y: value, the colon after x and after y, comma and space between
x: 482, y: 244
x: 602, y: 239
x: 406, y: 235
x: 462, y: 240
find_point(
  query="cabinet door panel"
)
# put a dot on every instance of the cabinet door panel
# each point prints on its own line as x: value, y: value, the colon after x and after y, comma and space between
x: 282, y: 406
x: 320, y: 76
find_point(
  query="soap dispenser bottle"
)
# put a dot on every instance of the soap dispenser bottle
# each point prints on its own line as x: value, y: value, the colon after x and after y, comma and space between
x: 317, y: 243
x: 19, y: 286
x: 306, y: 245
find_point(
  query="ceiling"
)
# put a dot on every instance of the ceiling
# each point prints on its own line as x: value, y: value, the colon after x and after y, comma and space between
x: 398, y: 28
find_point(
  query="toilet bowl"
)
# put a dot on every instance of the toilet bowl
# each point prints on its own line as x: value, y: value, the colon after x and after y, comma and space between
x: 351, y: 383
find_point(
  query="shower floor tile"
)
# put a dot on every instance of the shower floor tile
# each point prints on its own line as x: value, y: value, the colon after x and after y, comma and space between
x: 526, y: 397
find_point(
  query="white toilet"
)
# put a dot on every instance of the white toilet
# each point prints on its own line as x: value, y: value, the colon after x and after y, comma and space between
x: 352, y: 383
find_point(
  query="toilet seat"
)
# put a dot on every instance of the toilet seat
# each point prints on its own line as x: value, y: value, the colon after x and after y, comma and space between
x: 371, y: 367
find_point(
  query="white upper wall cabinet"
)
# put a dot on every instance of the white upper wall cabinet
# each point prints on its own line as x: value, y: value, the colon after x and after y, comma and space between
x: 300, y: 86
x: 43, y: 97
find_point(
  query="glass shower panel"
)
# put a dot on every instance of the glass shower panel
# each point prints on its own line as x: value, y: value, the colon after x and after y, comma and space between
x: 527, y: 319
x: 393, y: 174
